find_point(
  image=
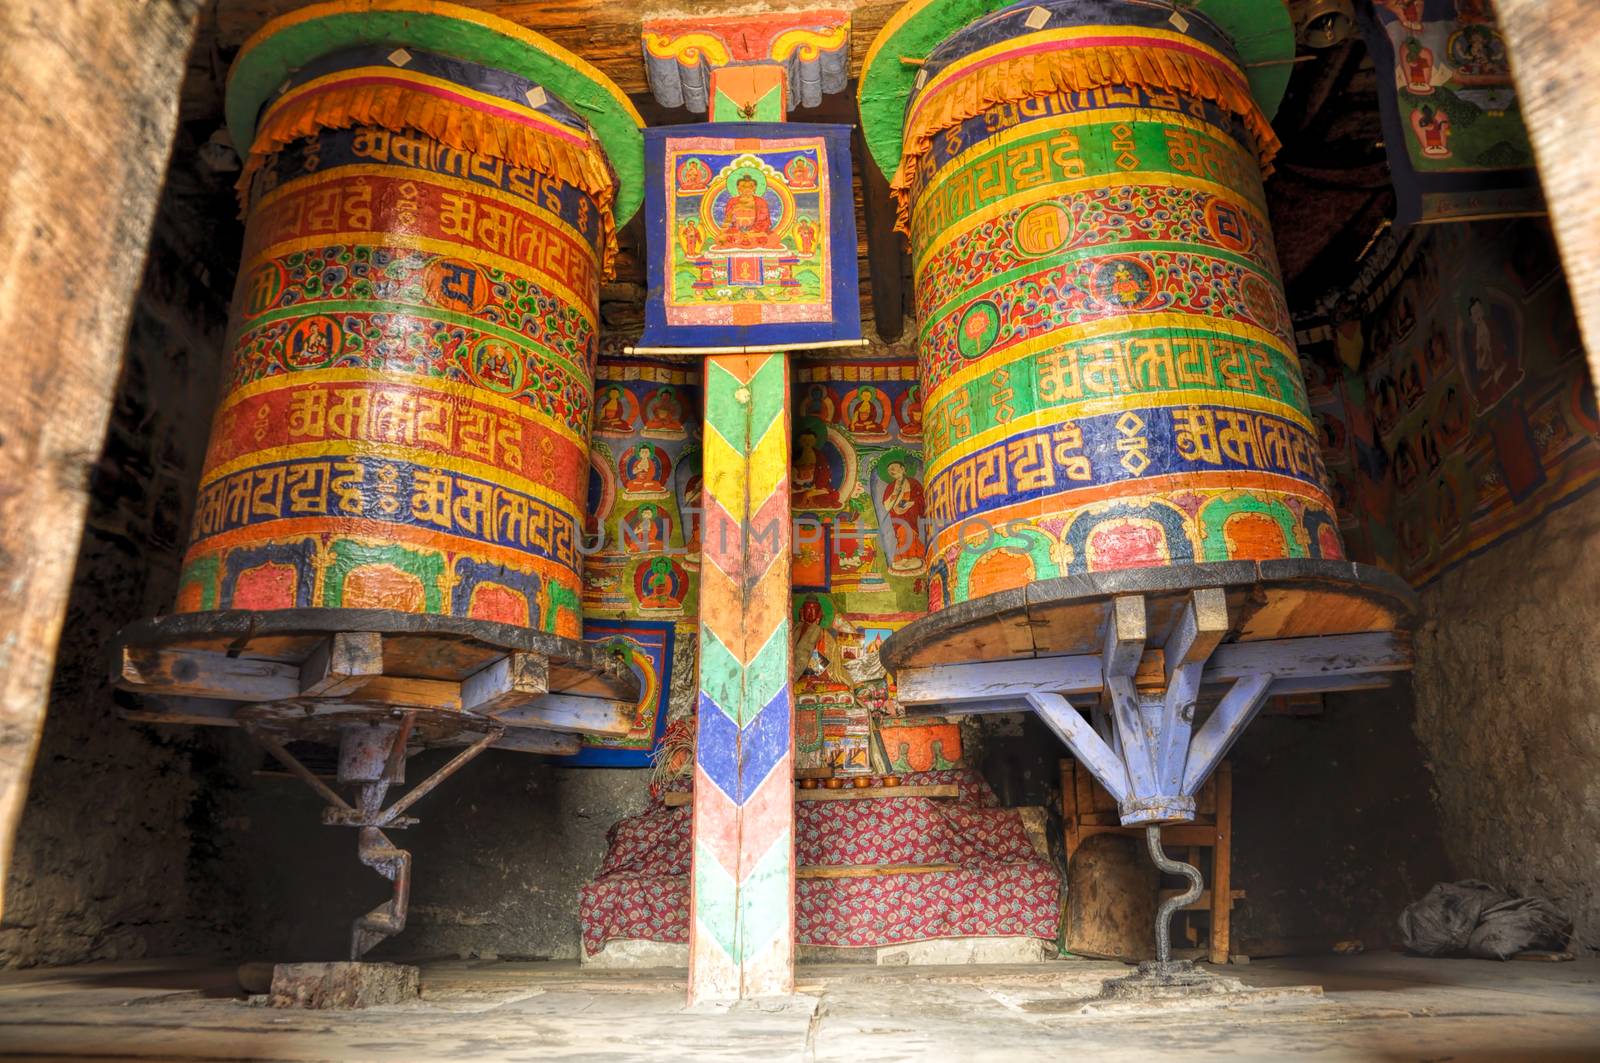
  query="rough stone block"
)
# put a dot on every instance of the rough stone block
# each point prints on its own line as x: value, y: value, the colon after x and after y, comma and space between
x: 343, y: 985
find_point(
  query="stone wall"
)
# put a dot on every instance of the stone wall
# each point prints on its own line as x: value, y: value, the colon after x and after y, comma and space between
x: 1508, y: 707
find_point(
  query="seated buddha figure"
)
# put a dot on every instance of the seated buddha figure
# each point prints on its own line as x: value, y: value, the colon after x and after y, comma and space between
x: 747, y: 219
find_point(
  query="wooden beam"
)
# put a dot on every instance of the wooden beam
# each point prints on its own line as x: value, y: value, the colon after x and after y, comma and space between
x: 341, y: 663
x: 206, y: 674
x: 994, y: 683
x: 511, y: 682
x: 1558, y: 89
x: 1090, y: 749
x: 89, y: 110
x: 202, y: 712
x: 1125, y: 635
x: 573, y: 713
x: 1222, y: 869
x: 526, y: 740
x: 885, y: 258
x: 1217, y: 735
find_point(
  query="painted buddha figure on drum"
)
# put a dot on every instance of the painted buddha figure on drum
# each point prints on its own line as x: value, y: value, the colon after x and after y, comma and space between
x: 1108, y: 360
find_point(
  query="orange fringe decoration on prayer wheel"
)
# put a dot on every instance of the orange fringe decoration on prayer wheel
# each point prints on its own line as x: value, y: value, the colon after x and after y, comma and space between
x: 579, y: 162
x: 1078, y: 66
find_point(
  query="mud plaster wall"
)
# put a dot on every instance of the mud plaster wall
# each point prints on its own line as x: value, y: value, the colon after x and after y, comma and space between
x: 1335, y: 829
x: 1508, y: 707
x: 114, y: 837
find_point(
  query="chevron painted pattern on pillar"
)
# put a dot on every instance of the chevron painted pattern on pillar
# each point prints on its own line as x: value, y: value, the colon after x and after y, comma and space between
x: 741, y: 940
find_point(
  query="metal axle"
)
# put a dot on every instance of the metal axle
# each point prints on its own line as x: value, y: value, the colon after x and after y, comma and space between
x: 1152, y: 837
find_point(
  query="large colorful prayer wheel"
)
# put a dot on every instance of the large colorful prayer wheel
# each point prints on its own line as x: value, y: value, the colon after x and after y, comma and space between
x: 1106, y: 354
x: 405, y: 422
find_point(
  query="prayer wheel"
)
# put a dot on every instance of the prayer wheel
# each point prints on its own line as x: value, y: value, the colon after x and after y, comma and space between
x: 406, y: 417
x: 385, y: 547
x: 1108, y: 361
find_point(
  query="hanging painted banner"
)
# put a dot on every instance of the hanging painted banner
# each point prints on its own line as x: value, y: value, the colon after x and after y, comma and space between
x: 649, y: 645
x: 1452, y: 127
x: 751, y: 236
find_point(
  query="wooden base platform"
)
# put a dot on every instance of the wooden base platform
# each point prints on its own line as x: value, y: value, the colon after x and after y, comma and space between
x: 1294, y: 598
x: 302, y: 672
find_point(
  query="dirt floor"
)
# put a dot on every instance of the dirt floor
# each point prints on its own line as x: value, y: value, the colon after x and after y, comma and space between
x: 1373, y: 1007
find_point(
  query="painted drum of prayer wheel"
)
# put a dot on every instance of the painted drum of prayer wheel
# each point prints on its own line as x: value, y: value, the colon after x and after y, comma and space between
x: 405, y: 418
x: 1104, y: 345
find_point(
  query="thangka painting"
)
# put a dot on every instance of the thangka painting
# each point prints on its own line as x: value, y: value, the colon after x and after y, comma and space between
x: 1452, y: 127
x: 1458, y: 410
x: 860, y: 550
x: 648, y: 645
x: 751, y: 236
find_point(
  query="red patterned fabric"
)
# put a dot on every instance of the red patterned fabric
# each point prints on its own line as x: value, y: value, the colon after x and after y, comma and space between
x: 1001, y: 888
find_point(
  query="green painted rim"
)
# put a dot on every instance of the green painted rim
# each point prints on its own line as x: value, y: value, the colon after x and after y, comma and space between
x: 287, y: 44
x: 1261, y: 30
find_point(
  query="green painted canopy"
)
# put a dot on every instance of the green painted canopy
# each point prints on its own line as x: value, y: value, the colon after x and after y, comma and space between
x: 1261, y: 31
x: 288, y: 43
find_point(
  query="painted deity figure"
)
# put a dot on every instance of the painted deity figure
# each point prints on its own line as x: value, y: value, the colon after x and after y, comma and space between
x: 1418, y: 68
x: 812, y: 478
x: 612, y: 413
x: 644, y: 469
x: 903, y: 503
x: 864, y: 417
x: 664, y: 413
x: 1433, y: 131
x: 747, y: 218
x: 805, y: 232
x: 692, y: 238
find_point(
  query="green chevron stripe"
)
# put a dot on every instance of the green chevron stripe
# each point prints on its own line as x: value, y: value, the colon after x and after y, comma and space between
x: 721, y: 675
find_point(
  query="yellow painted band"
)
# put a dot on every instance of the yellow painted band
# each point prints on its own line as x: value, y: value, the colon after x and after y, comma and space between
x: 313, y: 180
x: 390, y: 378
x: 1088, y: 330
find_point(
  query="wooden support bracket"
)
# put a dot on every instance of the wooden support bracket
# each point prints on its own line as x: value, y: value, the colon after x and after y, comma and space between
x: 508, y: 683
x: 341, y: 663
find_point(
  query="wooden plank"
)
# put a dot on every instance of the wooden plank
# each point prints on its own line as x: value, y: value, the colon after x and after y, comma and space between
x: 1207, y: 902
x: 341, y: 663
x: 1552, y: 61
x: 885, y: 257
x: 410, y: 693
x: 508, y: 683
x: 943, y: 791
x: 1222, y: 868
x: 1088, y: 747
x: 992, y: 681
x: 525, y: 740
x: 872, y: 870
x: 206, y: 674
x: 1182, y: 834
x: 1228, y: 720
x: 199, y: 712
x: 570, y: 713
x: 89, y: 110
x: 1201, y: 626
x: 1125, y: 635
x: 1378, y: 651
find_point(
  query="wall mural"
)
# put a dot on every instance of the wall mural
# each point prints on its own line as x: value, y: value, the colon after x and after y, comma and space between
x: 1453, y: 130
x: 1457, y: 410
x: 642, y: 533
x: 860, y: 557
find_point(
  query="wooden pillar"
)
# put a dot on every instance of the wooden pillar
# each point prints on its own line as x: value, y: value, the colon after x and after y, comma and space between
x: 1558, y: 87
x: 741, y: 940
x: 89, y: 111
